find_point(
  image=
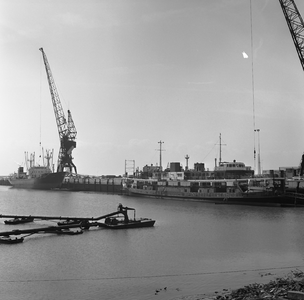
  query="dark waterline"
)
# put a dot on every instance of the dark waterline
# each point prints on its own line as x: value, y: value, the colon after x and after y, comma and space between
x: 194, y: 248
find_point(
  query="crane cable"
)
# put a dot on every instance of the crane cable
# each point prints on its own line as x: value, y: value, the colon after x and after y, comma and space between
x: 252, y: 84
x: 40, y: 121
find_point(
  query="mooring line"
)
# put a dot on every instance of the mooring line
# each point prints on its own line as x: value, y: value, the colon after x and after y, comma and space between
x: 150, y: 276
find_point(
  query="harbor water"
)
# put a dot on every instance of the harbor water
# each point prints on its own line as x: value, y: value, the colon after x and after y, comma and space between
x: 194, y: 248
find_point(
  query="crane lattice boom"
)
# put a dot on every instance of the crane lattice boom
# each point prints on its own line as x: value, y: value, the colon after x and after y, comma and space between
x: 71, y: 127
x: 296, y: 26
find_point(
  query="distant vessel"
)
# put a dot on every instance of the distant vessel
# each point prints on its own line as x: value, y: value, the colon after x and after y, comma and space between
x: 38, y: 177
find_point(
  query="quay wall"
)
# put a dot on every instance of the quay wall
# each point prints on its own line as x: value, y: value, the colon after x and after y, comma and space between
x: 110, y: 185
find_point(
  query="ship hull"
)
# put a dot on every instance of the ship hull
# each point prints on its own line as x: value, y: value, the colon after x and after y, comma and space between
x: 260, y: 199
x: 130, y: 224
x: 45, y: 182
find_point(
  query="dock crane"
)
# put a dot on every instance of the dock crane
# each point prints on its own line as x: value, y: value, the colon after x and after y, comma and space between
x: 296, y: 27
x: 66, y: 129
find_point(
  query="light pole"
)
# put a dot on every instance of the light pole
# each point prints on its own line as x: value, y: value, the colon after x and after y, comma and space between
x: 259, y: 152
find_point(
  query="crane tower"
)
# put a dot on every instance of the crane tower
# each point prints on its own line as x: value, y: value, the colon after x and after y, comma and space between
x: 66, y: 129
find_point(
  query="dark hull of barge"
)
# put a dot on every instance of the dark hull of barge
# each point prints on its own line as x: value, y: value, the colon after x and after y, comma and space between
x: 111, y: 185
x: 130, y: 224
x: 260, y: 199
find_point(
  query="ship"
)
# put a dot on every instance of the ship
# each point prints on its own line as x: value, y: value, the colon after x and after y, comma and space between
x: 262, y: 191
x: 229, y: 183
x: 38, y: 177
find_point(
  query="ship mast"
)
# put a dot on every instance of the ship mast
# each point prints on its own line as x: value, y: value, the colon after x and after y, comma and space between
x: 220, y: 160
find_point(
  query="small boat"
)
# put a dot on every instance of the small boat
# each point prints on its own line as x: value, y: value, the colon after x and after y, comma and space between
x: 116, y: 223
x: 19, y: 220
x: 68, y: 222
x: 10, y: 240
x: 68, y: 231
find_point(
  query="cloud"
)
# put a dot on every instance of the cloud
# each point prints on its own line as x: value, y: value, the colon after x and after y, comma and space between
x: 11, y: 32
x: 161, y: 15
x: 201, y: 83
x: 76, y: 20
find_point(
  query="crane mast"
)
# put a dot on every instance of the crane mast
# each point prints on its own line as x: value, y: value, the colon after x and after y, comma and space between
x: 66, y: 130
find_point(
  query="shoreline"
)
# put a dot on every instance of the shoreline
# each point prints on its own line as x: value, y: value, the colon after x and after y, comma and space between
x: 274, y: 289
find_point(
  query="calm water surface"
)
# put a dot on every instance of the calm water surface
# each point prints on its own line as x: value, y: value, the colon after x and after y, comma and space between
x: 194, y: 248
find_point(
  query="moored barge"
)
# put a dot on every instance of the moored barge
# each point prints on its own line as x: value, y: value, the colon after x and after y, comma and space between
x: 253, y: 191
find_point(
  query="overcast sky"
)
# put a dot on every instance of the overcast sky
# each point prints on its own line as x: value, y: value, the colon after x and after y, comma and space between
x: 134, y: 72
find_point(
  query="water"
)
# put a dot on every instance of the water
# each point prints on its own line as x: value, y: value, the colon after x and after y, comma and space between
x: 194, y: 248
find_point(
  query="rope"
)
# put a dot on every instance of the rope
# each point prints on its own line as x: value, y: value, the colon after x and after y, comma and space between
x: 153, y: 276
x: 252, y: 84
x: 209, y: 152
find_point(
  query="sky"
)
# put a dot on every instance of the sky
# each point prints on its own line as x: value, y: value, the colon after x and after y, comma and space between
x: 137, y: 72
